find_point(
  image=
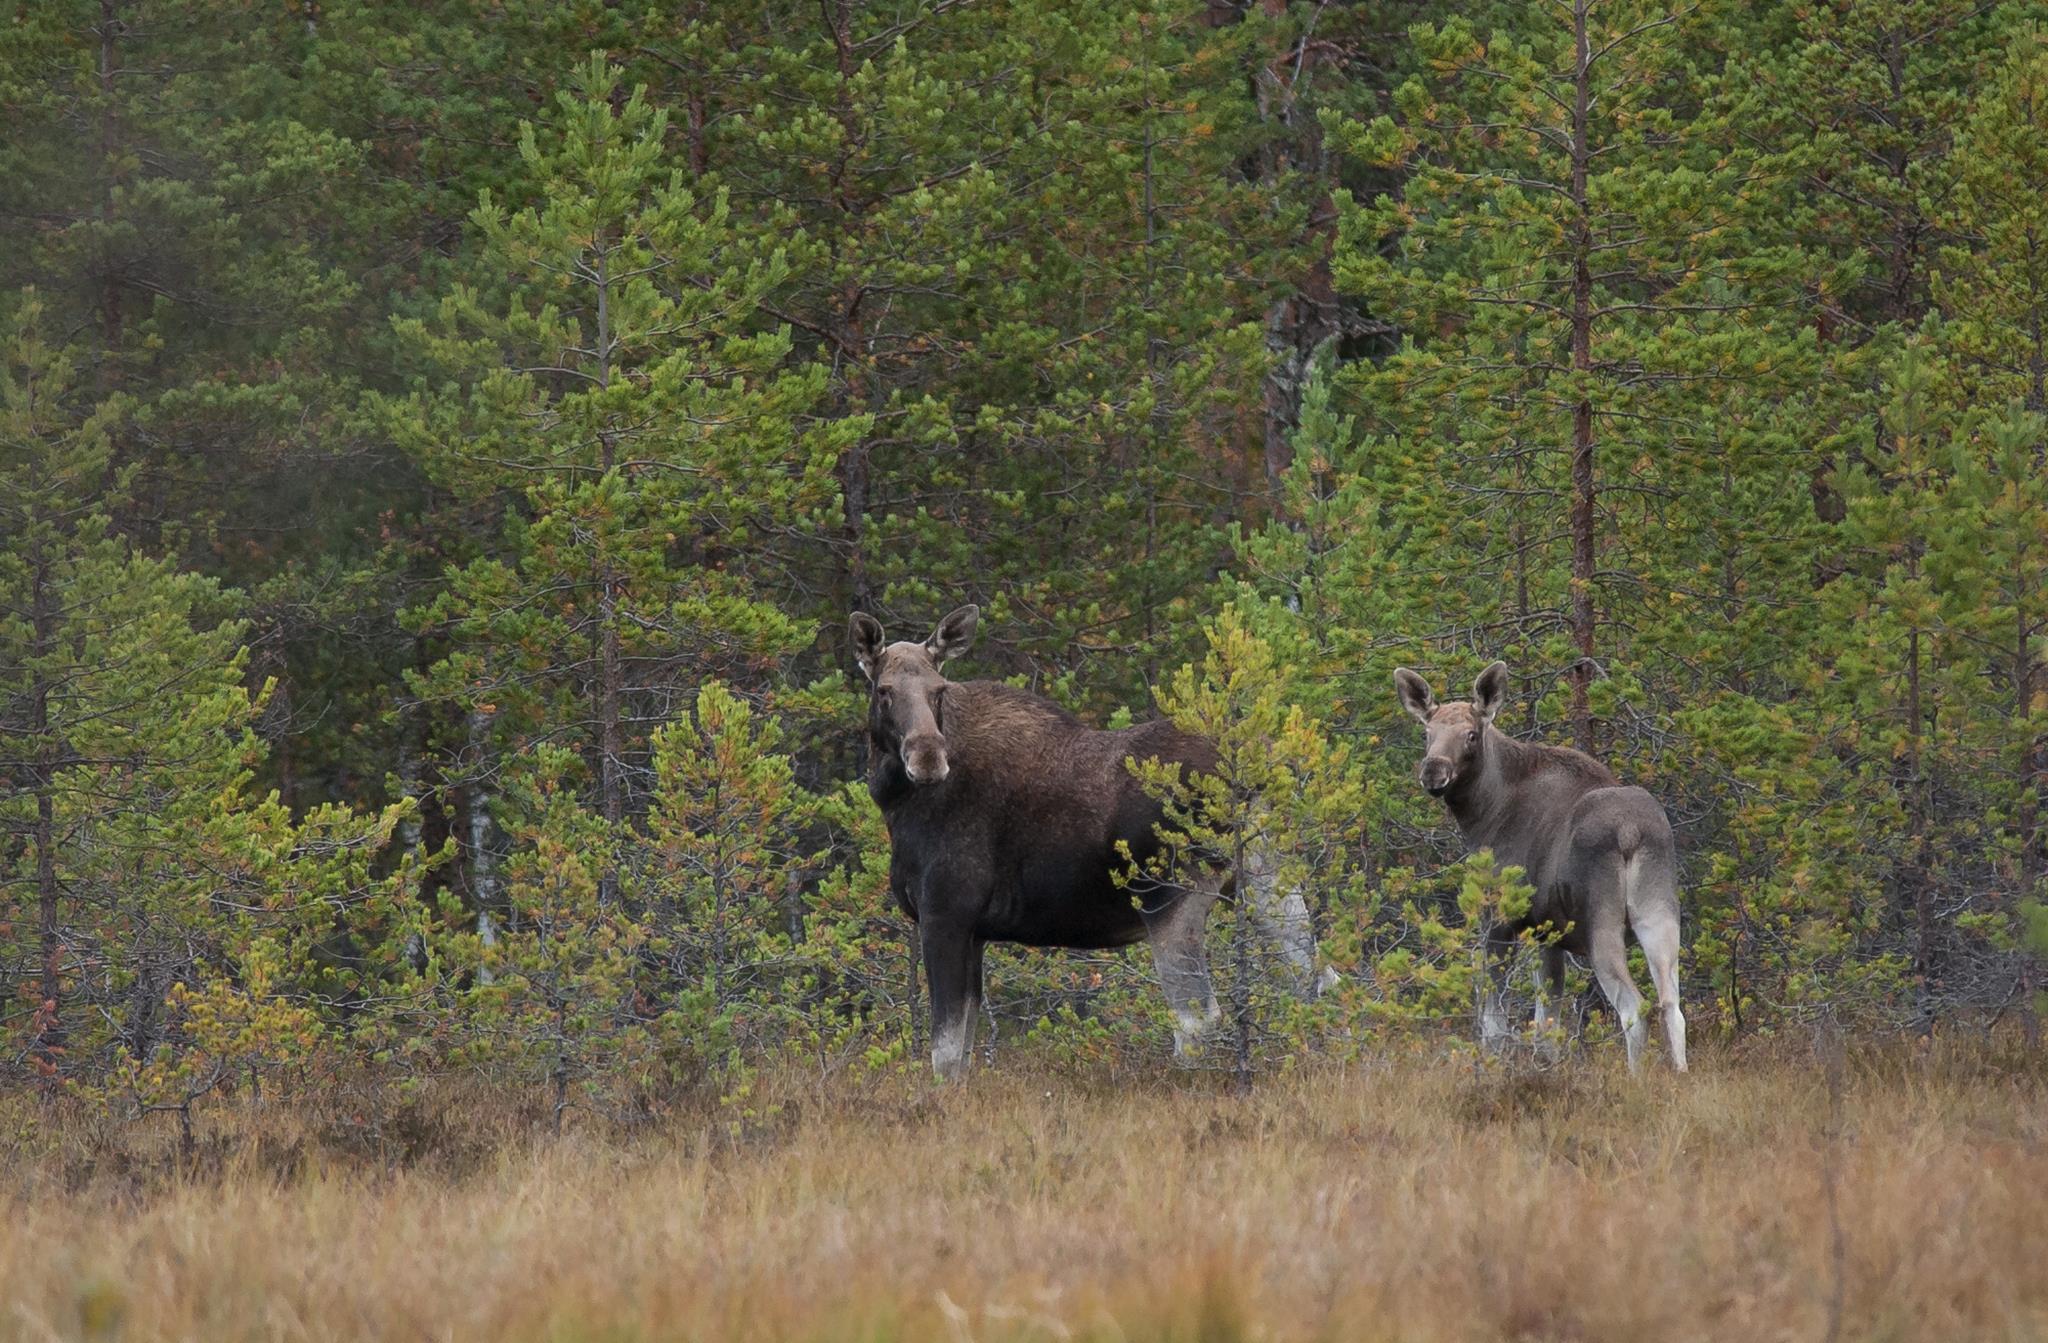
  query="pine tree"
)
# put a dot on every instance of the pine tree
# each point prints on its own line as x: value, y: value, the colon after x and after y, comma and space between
x: 184, y: 228
x: 1896, y: 503
x: 634, y: 447
x: 186, y: 928
x: 1281, y: 809
x: 725, y: 857
x: 1443, y: 973
x: 1990, y: 557
x: 1593, y: 320
x: 1861, y: 101
x: 1329, y: 584
x: 1991, y: 286
x: 555, y: 999
x: 1030, y: 258
x: 1030, y: 255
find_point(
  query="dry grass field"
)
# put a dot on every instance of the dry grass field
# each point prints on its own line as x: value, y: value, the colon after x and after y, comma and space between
x: 1397, y: 1200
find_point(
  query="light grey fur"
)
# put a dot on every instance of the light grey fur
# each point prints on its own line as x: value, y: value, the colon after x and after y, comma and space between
x: 1181, y: 958
x: 1600, y: 854
x: 1283, y: 918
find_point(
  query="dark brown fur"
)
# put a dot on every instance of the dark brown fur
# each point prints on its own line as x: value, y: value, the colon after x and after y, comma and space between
x: 1007, y: 818
x: 1030, y: 814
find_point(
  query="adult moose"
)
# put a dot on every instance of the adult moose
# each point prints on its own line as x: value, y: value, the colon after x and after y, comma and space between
x: 1600, y: 855
x: 1005, y: 817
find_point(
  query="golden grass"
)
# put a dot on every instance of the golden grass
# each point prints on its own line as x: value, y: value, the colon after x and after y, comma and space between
x: 1397, y: 1200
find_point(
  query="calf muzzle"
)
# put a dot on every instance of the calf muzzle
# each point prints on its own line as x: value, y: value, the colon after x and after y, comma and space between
x: 1436, y: 776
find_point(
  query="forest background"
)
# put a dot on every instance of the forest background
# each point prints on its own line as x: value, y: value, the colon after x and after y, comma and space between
x: 440, y: 446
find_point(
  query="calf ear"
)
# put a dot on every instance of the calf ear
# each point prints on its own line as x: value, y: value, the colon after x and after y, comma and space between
x: 954, y: 635
x: 865, y: 633
x: 1490, y: 690
x: 1414, y: 692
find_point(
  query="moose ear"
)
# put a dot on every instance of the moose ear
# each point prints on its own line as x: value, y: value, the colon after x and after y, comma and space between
x: 954, y: 635
x: 1414, y: 692
x: 865, y: 633
x: 1490, y: 690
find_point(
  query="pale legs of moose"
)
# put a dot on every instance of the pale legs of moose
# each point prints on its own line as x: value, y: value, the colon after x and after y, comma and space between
x: 1600, y: 855
x: 1180, y: 956
x: 1006, y: 815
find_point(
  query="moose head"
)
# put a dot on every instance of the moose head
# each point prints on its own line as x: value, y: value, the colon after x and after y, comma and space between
x: 907, y: 703
x: 1454, y: 735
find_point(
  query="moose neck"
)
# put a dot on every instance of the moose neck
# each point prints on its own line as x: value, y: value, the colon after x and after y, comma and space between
x: 1482, y: 803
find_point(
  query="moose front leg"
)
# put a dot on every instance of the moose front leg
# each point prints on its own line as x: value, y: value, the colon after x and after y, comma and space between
x: 952, y: 967
x: 1175, y: 930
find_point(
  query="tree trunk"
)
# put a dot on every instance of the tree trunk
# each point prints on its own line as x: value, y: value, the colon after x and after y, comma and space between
x: 558, y: 1073
x: 2034, y: 756
x: 720, y: 949
x: 853, y: 493
x: 110, y: 315
x: 411, y: 830
x: 1909, y: 227
x: 483, y: 858
x: 611, y: 743
x: 49, y: 1042
x: 1583, y: 478
x: 1913, y: 871
x: 47, y: 1047
x: 1299, y: 322
x: 1241, y: 973
x: 849, y: 337
x: 279, y: 712
x: 2033, y: 778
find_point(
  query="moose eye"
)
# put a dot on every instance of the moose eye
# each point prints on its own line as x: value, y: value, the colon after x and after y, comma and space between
x: 1473, y: 735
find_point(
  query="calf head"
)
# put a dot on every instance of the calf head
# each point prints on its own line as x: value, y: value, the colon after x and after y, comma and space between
x: 1454, y: 740
x: 907, y: 700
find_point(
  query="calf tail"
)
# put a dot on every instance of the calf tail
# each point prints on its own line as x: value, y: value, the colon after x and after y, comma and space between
x: 1649, y: 875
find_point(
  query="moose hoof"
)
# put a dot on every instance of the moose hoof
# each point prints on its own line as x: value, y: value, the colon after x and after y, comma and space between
x: 949, y: 1060
x: 1190, y: 1028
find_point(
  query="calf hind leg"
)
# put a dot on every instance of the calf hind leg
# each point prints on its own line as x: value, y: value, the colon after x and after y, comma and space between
x: 1658, y: 933
x: 1610, y: 967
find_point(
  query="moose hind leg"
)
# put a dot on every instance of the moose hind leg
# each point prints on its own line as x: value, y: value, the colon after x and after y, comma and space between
x: 1182, y: 960
x: 952, y: 965
x: 1283, y: 918
x: 1610, y: 966
x: 1657, y: 932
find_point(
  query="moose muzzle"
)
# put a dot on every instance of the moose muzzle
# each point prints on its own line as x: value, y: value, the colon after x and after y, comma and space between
x: 1437, y: 775
x: 924, y: 758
